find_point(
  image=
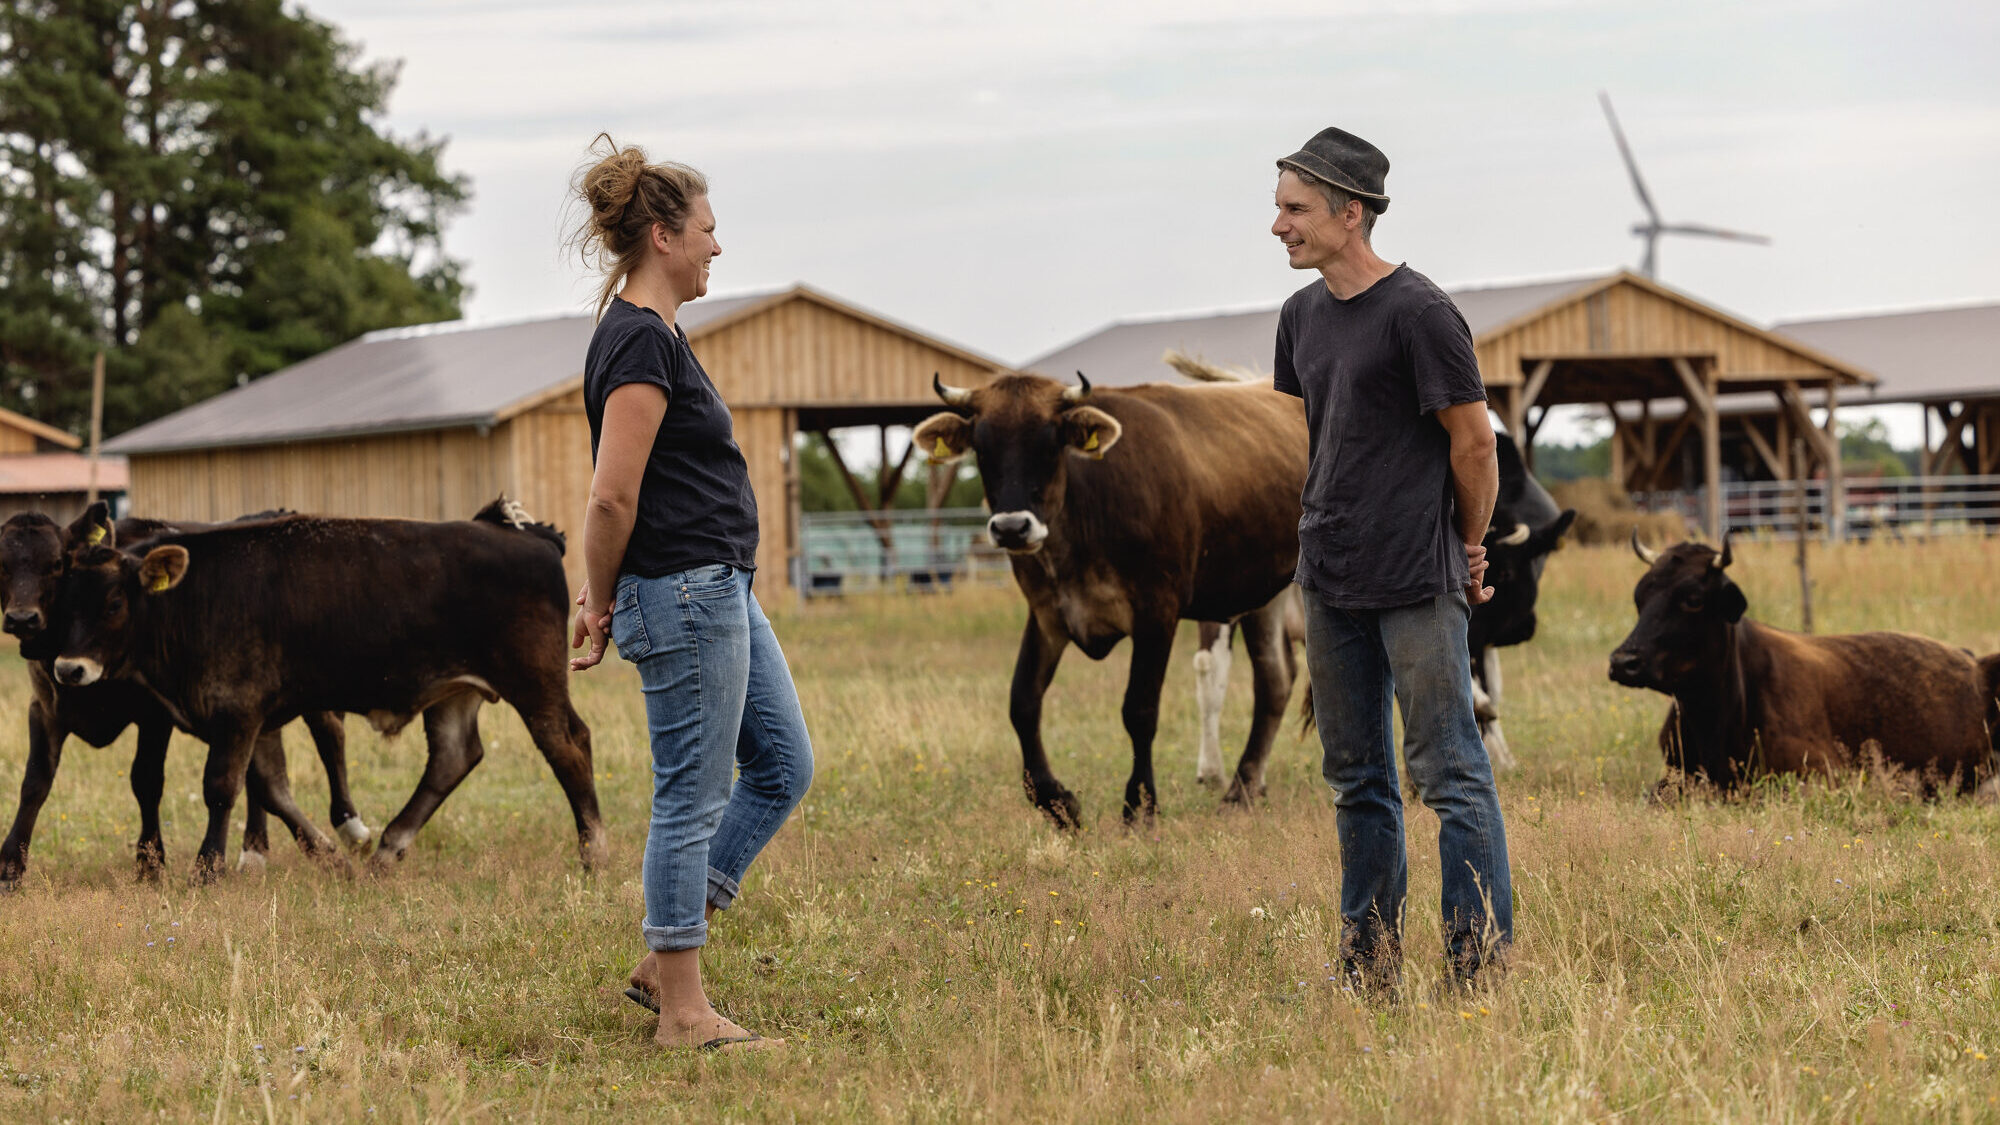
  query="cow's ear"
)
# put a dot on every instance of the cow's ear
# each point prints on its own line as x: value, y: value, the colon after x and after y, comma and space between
x: 943, y: 437
x: 91, y: 529
x: 163, y: 568
x: 1091, y: 431
x: 1548, y: 537
x: 1731, y: 602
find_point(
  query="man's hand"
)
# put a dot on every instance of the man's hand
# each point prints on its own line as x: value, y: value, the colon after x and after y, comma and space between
x: 593, y: 624
x: 1476, y: 590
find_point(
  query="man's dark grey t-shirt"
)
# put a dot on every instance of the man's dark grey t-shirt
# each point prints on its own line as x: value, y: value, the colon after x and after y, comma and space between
x: 1373, y: 369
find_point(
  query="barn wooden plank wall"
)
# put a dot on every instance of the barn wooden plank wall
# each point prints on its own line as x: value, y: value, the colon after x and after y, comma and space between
x: 1623, y: 320
x: 806, y: 354
x: 798, y: 351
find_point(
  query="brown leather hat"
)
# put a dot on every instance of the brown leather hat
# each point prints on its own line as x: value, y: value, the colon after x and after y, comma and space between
x: 1345, y: 161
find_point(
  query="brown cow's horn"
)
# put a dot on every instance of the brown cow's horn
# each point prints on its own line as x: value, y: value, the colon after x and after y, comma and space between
x: 1515, y: 537
x: 1722, y: 557
x: 1646, y: 554
x: 1077, y: 393
x: 952, y: 396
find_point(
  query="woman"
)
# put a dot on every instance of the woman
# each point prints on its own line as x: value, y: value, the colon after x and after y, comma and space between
x: 670, y: 547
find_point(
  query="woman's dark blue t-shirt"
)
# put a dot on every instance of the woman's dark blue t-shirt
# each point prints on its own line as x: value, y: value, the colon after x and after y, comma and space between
x: 695, y: 503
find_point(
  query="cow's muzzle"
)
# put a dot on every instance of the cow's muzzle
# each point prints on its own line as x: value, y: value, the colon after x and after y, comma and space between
x: 1628, y: 668
x: 1019, y: 532
x: 77, y: 671
x: 22, y: 622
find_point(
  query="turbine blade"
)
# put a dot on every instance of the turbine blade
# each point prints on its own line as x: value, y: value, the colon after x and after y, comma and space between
x: 1631, y: 165
x: 1714, y: 232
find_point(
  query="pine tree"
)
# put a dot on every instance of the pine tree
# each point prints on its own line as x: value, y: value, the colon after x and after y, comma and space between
x: 205, y: 190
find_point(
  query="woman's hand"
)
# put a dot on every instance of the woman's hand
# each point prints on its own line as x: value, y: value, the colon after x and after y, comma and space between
x: 593, y: 624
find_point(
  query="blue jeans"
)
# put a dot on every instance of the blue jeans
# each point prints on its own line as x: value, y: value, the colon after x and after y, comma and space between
x: 719, y: 701
x: 1359, y: 658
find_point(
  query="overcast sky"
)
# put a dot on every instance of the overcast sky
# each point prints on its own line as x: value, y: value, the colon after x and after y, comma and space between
x: 1013, y: 175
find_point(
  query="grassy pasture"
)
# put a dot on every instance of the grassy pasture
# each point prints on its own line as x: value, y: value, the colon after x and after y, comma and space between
x: 936, y: 952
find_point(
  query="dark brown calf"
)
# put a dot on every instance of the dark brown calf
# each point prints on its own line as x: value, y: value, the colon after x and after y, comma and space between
x: 32, y: 549
x: 1749, y: 699
x: 243, y: 627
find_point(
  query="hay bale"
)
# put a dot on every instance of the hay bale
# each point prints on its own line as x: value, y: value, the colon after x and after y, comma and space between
x: 1605, y: 514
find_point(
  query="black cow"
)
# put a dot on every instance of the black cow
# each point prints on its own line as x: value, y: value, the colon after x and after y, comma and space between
x: 242, y: 627
x: 1526, y: 526
x: 1751, y: 699
x: 1126, y: 511
x: 32, y: 550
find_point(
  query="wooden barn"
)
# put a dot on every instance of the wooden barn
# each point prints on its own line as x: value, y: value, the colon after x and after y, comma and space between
x: 434, y: 421
x: 41, y: 471
x: 1617, y: 340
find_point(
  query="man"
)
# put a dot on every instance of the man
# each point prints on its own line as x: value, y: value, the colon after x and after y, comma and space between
x: 1397, y: 498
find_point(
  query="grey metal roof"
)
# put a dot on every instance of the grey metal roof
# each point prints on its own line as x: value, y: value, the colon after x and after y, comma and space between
x: 1921, y: 356
x: 1128, y: 352
x: 430, y: 376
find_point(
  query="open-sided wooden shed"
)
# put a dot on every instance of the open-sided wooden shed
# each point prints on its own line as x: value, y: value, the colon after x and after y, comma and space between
x: 1607, y: 339
x: 434, y: 421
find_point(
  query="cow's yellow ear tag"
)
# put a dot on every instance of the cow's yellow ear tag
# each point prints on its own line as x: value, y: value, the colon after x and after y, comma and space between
x: 160, y: 584
x: 1090, y: 442
x: 96, y: 535
x: 941, y: 451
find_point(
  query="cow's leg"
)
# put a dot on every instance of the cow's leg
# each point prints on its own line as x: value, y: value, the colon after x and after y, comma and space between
x: 329, y: 735
x: 1041, y: 651
x: 1270, y: 660
x: 45, y: 742
x: 1211, y: 686
x: 564, y: 740
x: 270, y: 784
x: 232, y: 742
x: 1486, y: 683
x: 149, y: 781
x: 1152, y: 648
x: 451, y: 727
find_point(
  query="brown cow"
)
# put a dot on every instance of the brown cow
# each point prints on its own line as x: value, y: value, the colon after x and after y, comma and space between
x: 32, y: 549
x: 1127, y: 510
x: 1749, y: 699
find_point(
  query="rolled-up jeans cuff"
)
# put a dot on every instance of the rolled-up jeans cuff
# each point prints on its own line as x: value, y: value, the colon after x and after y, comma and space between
x: 673, y: 939
x: 722, y: 890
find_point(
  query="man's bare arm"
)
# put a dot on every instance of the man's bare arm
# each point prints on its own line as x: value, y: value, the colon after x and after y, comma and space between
x: 1475, y: 478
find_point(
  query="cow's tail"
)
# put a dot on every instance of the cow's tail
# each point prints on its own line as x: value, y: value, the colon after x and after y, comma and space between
x: 1205, y: 371
x: 1306, y: 717
x: 508, y: 512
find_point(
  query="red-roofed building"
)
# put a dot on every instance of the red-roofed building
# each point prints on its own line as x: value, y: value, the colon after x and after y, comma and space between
x: 41, y: 471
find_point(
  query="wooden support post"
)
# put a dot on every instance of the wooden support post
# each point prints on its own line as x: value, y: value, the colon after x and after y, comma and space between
x: 1524, y: 401
x: 794, y: 494
x: 854, y: 488
x: 1617, y: 440
x: 1836, y: 472
x: 1765, y: 452
x: 1701, y: 396
x: 1663, y: 457
x: 1798, y: 452
x: 96, y: 422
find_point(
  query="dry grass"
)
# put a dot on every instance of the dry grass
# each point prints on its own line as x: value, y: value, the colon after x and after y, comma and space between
x: 936, y: 952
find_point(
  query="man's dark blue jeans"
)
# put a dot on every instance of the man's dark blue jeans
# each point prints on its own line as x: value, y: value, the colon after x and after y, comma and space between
x: 1360, y: 659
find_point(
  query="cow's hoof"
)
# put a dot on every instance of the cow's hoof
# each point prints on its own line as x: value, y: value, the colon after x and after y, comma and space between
x: 1062, y: 807
x: 1241, y: 796
x: 593, y: 852
x: 9, y: 886
x: 1666, y: 791
x: 356, y: 833
x: 247, y: 863
x: 148, y: 871
x: 1208, y: 780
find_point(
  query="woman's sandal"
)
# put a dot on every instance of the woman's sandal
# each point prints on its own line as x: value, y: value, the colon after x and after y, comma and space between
x: 720, y: 1042
x: 642, y: 998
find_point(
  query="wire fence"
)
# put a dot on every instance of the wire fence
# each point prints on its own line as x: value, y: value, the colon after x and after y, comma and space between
x: 917, y: 551
x: 1893, y: 506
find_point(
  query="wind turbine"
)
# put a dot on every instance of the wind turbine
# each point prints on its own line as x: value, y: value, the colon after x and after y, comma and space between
x: 1653, y: 227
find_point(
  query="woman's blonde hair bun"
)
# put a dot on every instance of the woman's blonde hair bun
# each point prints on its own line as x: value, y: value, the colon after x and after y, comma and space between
x: 624, y: 195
